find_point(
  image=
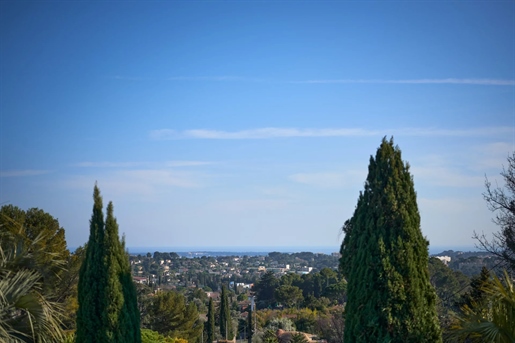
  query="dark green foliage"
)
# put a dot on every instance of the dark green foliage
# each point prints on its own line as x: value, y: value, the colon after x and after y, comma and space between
x: 250, y: 325
x: 225, y: 316
x: 265, y: 290
x: 170, y: 315
x: 385, y: 259
x: 449, y: 285
x: 476, y: 294
x: 270, y: 337
x: 210, y: 321
x: 298, y: 338
x: 289, y: 296
x: 107, y: 296
x: 92, y: 281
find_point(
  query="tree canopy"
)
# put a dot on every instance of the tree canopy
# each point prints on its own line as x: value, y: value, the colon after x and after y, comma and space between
x: 108, y: 309
x: 171, y: 316
x: 385, y: 259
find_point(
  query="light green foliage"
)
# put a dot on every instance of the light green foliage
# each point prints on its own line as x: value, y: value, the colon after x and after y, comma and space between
x: 282, y: 323
x: 385, y: 259
x: 492, y: 318
x: 26, y: 313
x: 170, y: 315
x: 106, y: 294
x: 43, y: 233
x: 149, y: 336
x: 298, y: 338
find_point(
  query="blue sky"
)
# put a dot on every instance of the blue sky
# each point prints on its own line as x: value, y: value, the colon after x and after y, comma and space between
x: 252, y: 123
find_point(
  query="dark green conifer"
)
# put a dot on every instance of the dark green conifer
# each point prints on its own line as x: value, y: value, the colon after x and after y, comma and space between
x: 385, y: 259
x: 211, y: 322
x: 92, y: 281
x: 107, y: 296
x: 250, y: 325
x: 225, y: 316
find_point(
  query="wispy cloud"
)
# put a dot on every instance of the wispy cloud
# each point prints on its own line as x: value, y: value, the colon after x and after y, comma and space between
x: 148, y: 183
x: 233, y: 78
x: 223, y: 78
x: 121, y: 165
x: 481, y: 82
x: 213, y: 78
x: 20, y: 173
x: 107, y: 164
x: 446, y: 177
x: 273, y: 132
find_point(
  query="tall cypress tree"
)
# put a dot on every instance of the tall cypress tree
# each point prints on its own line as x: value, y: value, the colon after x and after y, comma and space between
x: 211, y: 322
x: 385, y: 259
x: 92, y: 280
x: 250, y: 325
x: 107, y: 296
x: 122, y: 311
x: 225, y: 316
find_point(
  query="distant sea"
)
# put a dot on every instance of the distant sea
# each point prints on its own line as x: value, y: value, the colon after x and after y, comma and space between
x: 263, y: 250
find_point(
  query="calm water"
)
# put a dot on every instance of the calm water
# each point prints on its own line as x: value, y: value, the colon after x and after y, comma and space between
x: 252, y: 251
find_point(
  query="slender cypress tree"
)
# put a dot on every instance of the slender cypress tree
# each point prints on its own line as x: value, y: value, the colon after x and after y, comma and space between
x: 225, y: 316
x: 92, y: 280
x: 122, y: 312
x: 107, y: 296
x: 211, y: 322
x: 385, y: 259
x: 250, y: 325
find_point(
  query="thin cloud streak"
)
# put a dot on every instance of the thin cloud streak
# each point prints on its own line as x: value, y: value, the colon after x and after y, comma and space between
x: 223, y: 78
x: 273, y: 132
x: 121, y: 165
x: 231, y: 78
x: 187, y: 163
x: 480, y: 82
x: 106, y: 164
x: 20, y: 173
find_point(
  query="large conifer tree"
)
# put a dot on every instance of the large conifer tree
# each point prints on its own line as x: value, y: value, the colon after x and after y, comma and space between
x: 385, y: 259
x: 106, y: 294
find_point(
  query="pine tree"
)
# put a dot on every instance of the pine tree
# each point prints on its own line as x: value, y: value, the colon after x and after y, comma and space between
x: 211, y: 322
x: 107, y: 296
x: 385, y: 259
x: 225, y: 316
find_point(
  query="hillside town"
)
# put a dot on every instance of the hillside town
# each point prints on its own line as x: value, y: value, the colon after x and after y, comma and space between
x: 171, y: 271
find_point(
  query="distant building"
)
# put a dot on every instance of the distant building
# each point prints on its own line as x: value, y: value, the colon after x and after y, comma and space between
x: 139, y: 279
x: 444, y: 259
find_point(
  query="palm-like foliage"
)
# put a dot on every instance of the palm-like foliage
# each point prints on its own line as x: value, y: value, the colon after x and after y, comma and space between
x: 298, y: 338
x: 26, y: 314
x: 493, y: 320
